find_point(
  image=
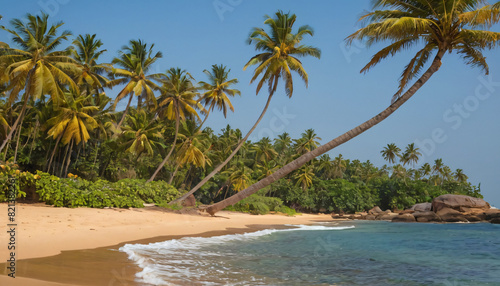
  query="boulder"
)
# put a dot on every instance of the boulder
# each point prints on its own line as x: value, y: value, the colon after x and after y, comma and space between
x: 375, y: 211
x: 189, y: 201
x: 386, y: 216
x: 495, y: 220
x: 369, y: 217
x: 451, y: 215
x: 408, y: 211
x: 404, y: 218
x: 458, y: 202
x: 426, y: 216
x: 473, y: 218
x: 422, y: 207
x: 491, y: 214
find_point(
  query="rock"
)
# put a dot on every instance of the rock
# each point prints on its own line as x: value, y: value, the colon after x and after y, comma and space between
x: 369, y: 217
x: 189, y: 201
x: 495, y: 220
x: 404, y: 218
x: 458, y: 202
x: 408, y: 211
x: 375, y: 211
x: 451, y: 215
x: 491, y: 214
x: 422, y: 207
x: 426, y: 216
x: 386, y: 216
x: 473, y: 218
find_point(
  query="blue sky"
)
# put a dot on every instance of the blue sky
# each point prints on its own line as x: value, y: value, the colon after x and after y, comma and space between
x: 453, y: 117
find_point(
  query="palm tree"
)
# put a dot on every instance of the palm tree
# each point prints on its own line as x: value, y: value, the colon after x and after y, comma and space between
x: 339, y: 166
x: 391, y: 152
x: 281, y: 49
x: 307, y: 142
x: 217, y: 90
x: 283, y: 142
x: 177, y: 101
x: 72, y: 123
x: 442, y: 26
x: 142, y: 134
x: 460, y: 176
x: 304, y: 176
x: 37, y: 67
x: 411, y: 155
x: 135, y: 60
x: 86, y: 53
x: 426, y: 169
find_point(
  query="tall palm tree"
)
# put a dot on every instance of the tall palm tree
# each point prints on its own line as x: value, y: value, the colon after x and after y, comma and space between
x: 217, y: 90
x: 177, y: 101
x: 339, y: 166
x: 135, y: 60
x: 281, y: 49
x: 86, y: 52
x: 37, y: 66
x: 441, y: 26
x: 304, y: 176
x: 391, y: 152
x: 308, y: 142
x: 411, y: 155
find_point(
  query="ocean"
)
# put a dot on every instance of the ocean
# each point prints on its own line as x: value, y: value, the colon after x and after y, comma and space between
x: 347, y: 253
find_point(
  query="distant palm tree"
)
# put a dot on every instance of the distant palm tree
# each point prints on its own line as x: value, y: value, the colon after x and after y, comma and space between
x: 308, y: 142
x: 426, y: 169
x: 391, y: 152
x: 411, y: 155
x: 217, y: 90
x: 460, y: 176
x: 37, y: 67
x: 177, y: 101
x: 281, y: 49
x: 441, y: 26
x: 135, y: 62
x: 339, y: 166
x: 304, y: 176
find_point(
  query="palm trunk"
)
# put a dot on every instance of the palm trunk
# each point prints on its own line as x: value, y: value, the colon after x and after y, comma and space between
x: 54, y: 152
x: 299, y: 162
x: 17, y: 142
x: 173, y: 174
x: 64, y: 160
x: 126, y: 110
x: 177, y: 119
x: 69, y: 158
x: 218, y: 168
x: 25, y: 104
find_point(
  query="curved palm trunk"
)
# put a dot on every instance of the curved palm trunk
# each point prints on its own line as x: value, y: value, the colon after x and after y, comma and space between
x: 126, y: 110
x: 23, y: 109
x: 53, y: 153
x: 173, y: 174
x: 177, y: 119
x: 69, y: 159
x: 218, y: 168
x: 17, y: 142
x: 299, y: 162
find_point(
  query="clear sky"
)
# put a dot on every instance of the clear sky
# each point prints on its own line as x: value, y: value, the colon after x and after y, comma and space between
x: 454, y: 116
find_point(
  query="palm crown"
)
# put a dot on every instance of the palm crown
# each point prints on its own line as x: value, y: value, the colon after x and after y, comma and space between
x: 217, y: 89
x: 440, y: 25
x: 281, y: 49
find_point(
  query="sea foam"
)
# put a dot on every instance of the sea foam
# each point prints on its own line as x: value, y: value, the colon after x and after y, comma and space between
x: 181, y: 259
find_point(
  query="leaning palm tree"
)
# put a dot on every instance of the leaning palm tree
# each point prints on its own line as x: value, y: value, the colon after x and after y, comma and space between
x: 177, y: 102
x: 459, y: 176
x: 135, y: 60
x: 217, y: 91
x: 281, y: 49
x: 37, y: 66
x: 440, y: 25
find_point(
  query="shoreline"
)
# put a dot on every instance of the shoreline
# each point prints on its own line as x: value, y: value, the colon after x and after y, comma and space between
x: 61, y: 244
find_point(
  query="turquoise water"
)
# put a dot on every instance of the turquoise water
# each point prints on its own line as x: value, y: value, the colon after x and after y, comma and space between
x: 354, y: 253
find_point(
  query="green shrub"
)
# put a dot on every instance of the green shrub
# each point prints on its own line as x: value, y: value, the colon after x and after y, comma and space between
x: 257, y: 204
x: 77, y: 192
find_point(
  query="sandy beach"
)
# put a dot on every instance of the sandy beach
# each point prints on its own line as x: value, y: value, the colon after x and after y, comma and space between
x: 53, y: 243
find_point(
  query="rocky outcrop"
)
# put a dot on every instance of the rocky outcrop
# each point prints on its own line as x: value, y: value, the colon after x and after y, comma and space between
x: 426, y: 216
x: 190, y: 201
x: 404, y: 218
x: 459, y: 202
x: 422, y: 207
x: 445, y: 208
